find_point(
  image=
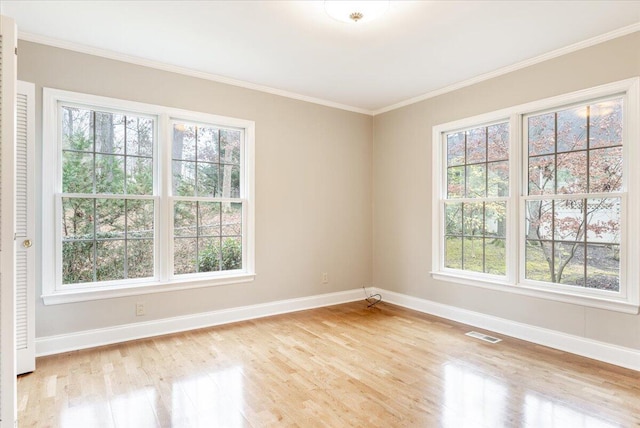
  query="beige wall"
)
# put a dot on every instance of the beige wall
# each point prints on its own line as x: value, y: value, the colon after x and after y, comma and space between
x: 313, y: 187
x: 402, y: 190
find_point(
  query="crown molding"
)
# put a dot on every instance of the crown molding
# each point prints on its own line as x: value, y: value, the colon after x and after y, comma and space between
x: 514, y: 67
x: 105, y: 53
x: 35, y: 38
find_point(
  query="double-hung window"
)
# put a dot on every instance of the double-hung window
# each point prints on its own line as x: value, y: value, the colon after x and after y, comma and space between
x: 140, y: 198
x: 538, y: 199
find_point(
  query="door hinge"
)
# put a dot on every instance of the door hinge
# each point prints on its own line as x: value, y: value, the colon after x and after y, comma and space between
x: 16, y: 50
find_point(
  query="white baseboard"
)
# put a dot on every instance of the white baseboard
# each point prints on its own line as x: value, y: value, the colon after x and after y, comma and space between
x: 105, y: 336
x: 608, y: 353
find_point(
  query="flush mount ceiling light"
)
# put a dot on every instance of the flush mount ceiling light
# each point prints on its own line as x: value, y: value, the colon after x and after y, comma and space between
x: 355, y: 11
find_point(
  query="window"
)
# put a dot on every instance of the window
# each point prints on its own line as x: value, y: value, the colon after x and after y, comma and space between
x: 535, y: 199
x: 141, y: 198
x: 476, y: 199
x: 574, y: 195
x: 207, y: 206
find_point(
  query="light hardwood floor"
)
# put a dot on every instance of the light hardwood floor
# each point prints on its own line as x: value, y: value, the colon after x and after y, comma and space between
x: 338, y: 366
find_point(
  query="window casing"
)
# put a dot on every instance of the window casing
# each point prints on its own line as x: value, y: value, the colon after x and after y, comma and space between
x: 141, y: 198
x: 567, y: 237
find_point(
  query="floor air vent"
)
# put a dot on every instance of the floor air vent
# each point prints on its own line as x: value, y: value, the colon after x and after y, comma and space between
x: 484, y: 337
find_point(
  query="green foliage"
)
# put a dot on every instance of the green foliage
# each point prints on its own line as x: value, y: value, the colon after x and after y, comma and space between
x: 212, y: 258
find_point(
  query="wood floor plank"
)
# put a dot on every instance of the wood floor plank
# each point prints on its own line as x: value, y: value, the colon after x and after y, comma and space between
x: 339, y: 366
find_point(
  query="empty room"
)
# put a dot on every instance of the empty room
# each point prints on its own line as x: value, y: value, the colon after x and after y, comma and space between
x: 319, y: 213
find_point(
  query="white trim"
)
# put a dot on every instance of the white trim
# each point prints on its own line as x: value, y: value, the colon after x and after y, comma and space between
x: 601, y: 351
x: 8, y: 58
x: 110, y: 292
x: 105, y: 53
x: 52, y: 291
x: 620, y: 32
x: 104, y: 336
x: 628, y: 299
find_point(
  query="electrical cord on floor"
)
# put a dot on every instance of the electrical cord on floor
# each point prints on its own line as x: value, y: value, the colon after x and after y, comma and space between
x: 372, y: 299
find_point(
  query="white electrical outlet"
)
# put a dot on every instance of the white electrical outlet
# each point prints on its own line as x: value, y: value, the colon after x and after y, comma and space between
x: 325, y: 277
x: 140, y: 309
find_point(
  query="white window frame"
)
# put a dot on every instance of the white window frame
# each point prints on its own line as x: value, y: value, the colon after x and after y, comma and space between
x: 627, y: 300
x: 52, y: 290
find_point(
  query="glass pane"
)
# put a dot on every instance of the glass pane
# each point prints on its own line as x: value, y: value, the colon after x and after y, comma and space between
x: 207, y: 179
x: 209, y: 221
x: 109, y: 133
x: 184, y: 218
x: 572, y: 172
x: 140, y: 218
x: 476, y: 181
x: 231, y: 253
x: 541, y: 134
x: 498, y: 179
x: 605, y: 170
x: 231, y: 219
x: 603, y: 267
x: 605, y: 122
x: 472, y: 254
x: 498, y: 144
x: 603, y: 220
x: 453, y: 252
x: 77, y: 262
x: 77, y: 172
x: 140, y: 258
x: 476, y: 145
x: 184, y: 142
x: 230, y: 146
x: 473, y: 221
x: 208, y: 145
x: 77, y: 129
x: 110, y: 218
x: 572, y: 129
x: 139, y: 136
x: 139, y: 176
x: 209, y: 255
x: 455, y: 182
x: 495, y: 256
x: 541, y: 175
x: 539, y: 220
x: 77, y: 218
x: 569, y: 220
x: 184, y: 255
x: 109, y: 174
x: 109, y: 260
x: 569, y: 263
x: 538, y: 263
x: 230, y: 177
x: 495, y: 221
x: 453, y: 218
x: 184, y: 178
x: 455, y: 149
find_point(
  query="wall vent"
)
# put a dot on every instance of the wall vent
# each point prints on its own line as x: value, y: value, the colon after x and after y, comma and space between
x: 484, y: 337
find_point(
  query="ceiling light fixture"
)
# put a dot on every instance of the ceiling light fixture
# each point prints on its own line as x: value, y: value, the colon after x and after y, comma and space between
x: 355, y: 11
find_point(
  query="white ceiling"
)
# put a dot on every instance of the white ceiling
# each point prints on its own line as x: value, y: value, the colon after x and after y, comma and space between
x: 416, y: 48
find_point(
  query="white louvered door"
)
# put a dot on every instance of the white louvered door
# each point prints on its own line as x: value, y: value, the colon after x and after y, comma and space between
x: 8, y: 73
x: 25, y: 228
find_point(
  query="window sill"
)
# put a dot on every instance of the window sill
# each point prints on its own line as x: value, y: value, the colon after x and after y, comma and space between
x: 95, y: 293
x: 601, y: 302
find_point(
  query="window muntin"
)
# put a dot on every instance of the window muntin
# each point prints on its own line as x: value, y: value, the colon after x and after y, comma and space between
x: 582, y: 173
x: 575, y: 195
x: 107, y: 208
x: 137, y: 237
x: 207, y: 203
x: 477, y: 189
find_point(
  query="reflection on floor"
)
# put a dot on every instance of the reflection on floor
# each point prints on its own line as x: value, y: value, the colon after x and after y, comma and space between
x: 338, y: 366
